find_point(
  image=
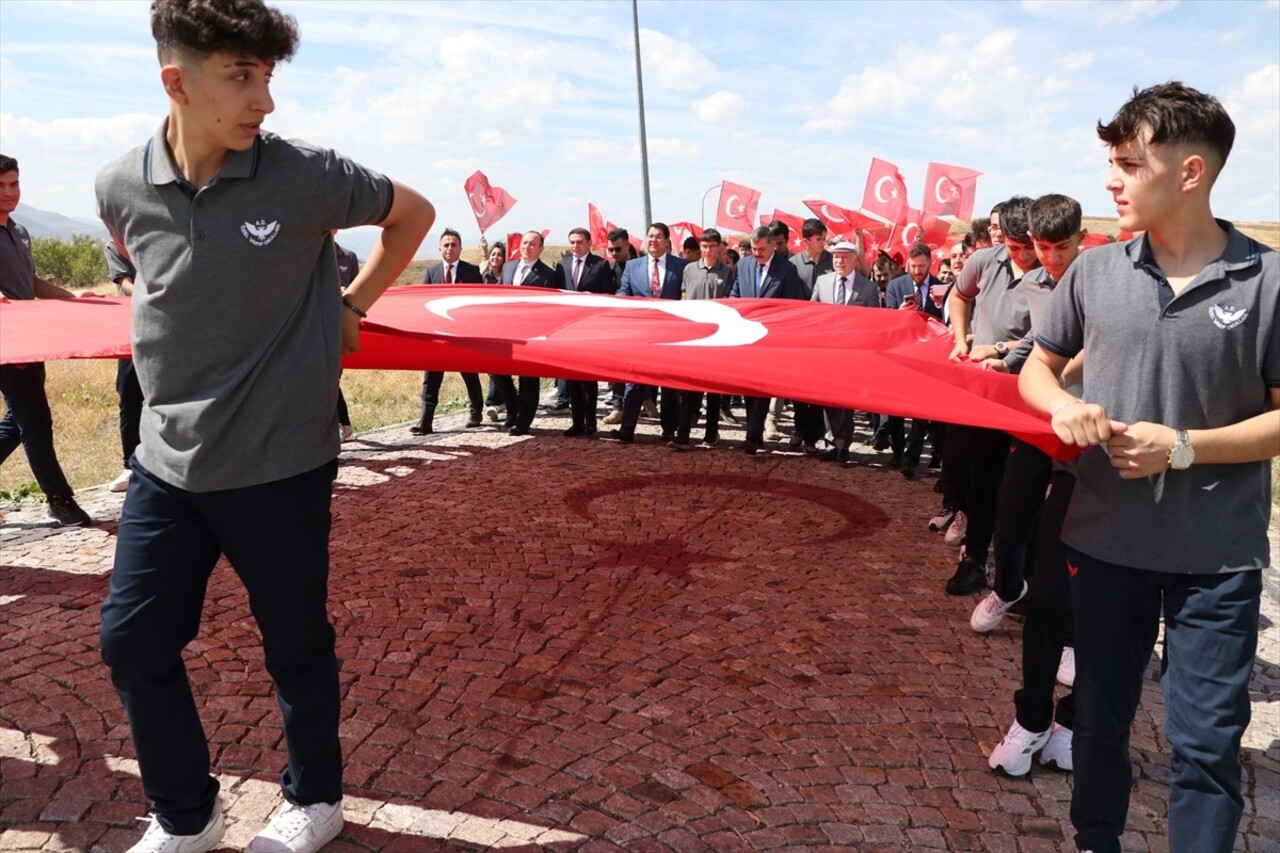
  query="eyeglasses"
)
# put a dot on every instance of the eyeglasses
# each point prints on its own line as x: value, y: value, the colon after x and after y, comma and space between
x: 614, y: 250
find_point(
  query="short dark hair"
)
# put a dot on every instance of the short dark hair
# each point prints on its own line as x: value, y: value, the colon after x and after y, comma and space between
x: 7, y: 164
x: 778, y: 228
x: 733, y: 255
x: 980, y: 230
x: 812, y: 228
x: 883, y: 262
x: 690, y: 242
x: 1054, y: 217
x: 1174, y: 113
x: 619, y: 234
x: 661, y: 226
x: 541, y: 240
x: 242, y: 27
x: 762, y: 232
x: 711, y: 235
x: 997, y: 208
x: 918, y: 249
x: 449, y: 232
x: 1013, y: 218
x: 580, y: 230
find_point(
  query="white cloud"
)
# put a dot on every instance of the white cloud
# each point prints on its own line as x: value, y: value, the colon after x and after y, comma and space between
x: 1054, y: 86
x: 10, y: 78
x: 677, y: 65
x: 108, y: 137
x: 595, y: 151
x: 1099, y: 13
x: 719, y: 107
x: 673, y: 150
x: 1076, y: 60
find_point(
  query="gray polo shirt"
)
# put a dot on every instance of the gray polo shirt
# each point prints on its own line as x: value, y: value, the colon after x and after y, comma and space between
x: 810, y: 269
x: 1000, y: 310
x: 1038, y: 286
x: 703, y: 283
x: 236, y: 308
x: 1204, y: 359
x: 17, y: 267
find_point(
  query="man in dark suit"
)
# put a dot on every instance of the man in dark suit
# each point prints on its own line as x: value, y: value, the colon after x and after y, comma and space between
x: 910, y: 292
x: 765, y: 274
x: 843, y: 286
x: 657, y: 275
x: 583, y: 272
x: 619, y: 252
x: 528, y: 270
x: 451, y: 270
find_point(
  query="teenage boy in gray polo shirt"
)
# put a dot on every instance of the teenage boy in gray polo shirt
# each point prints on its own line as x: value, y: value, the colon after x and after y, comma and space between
x: 1169, y: 515
x: 989, y: 293
x: 238, y: 323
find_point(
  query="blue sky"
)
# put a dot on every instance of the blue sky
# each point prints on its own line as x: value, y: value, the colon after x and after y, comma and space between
x: 793, y: 99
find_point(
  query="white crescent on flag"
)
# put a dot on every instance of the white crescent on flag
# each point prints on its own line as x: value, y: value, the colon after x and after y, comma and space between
x: 879, y: 184
x: 831, y: 217
x: 732, y: 329
x: 728, y: 206
x: 937, y: 190
x: 907, y: 238
x: 477, y: 205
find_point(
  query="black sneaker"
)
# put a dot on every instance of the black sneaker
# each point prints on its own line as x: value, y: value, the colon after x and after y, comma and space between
x: 67, y: 512
x: 970, y: 577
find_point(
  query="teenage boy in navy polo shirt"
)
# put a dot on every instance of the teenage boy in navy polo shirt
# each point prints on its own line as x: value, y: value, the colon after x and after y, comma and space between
x: 1169, y: 515
x: 238, y: 324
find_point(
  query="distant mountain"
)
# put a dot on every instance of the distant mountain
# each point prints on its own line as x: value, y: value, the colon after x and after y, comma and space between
x: 44, y: 223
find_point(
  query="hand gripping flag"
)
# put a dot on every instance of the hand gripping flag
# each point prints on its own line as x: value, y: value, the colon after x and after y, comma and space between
x: 488, y: 203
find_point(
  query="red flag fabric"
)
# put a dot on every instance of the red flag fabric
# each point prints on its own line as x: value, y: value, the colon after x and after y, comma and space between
x: 795, y: 224
x: 949, y: 190
x: 893, y: 362
x: 1093, y: 240
x: 875, y: 241
x: 488, y: 203
x: 513, y: 245
x: 840, y: 221
x: 680, y: 231
x: 1125, y: 236
x: 596, y: 225
x: 737, y: 210
x: 886, y: 192
x: 942, y: 251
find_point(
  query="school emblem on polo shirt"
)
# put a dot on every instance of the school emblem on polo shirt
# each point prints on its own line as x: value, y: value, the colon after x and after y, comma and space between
x: 1227, y: 316
x: 260, y: 233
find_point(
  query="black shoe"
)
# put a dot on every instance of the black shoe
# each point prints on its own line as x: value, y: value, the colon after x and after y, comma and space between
x: 881, y: 442
x: 421, y: 428
x: 518, y: 430
x: 668, y: 437
x: 576, y: 429
x: 625, y: 435
x: 474, y: 421
x: 897, y: 460
x: 556, y: 407
x: 710, y: 440
x: 751, y: 448
x: 935, y: 461
x: 970, y: 577
x: 67, y: 512
x: 844, y: 457
x: 831, y: 454
x: 909, y: 471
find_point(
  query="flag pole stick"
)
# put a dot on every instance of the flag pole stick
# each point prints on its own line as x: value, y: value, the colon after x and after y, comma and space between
x: 644, y: 144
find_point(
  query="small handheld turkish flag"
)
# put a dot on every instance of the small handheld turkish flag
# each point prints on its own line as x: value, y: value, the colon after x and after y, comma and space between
x: 949, y: 190
x: 886, y: 191
x: 488, y: 203
x: 737, y: 210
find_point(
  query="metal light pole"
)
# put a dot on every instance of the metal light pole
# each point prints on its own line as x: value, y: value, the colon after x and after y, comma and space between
x: 703, y: 209
x: 644, y: 142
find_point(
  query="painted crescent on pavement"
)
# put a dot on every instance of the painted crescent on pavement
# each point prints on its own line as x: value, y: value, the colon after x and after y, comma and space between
x: 732, y: 329
x: 880, y: 183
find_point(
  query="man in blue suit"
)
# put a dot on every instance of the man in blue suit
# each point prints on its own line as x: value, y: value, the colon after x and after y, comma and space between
x: 583, y: 272
x: 450, y: 270
x: 765, y: 274
x: 908, y: 292
x: 528, y: 270
x: 657, y: 275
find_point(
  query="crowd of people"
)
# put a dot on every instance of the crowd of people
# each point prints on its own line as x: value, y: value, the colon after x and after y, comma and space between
x: 235, y: 448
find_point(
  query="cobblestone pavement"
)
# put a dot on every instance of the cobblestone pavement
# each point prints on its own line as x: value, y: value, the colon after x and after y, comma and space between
x: 566, y: 644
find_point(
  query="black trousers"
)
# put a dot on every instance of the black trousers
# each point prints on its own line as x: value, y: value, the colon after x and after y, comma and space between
x: 690, y: 403
x: 28, y: 422
x: 668, y: 406
x: 431, y: 392
x: 809, y: 422
x: 584, y: 396
x: 1048, y: 626
x: 130, y: 397
x: 1022, y: 488
x: 276, y: 536
x: 988, y: 449
x: 757, y: 412
x: 522, y: 405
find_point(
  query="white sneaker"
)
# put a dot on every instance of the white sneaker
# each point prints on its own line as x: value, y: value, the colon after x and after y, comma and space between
x: 1013, y: 754
x: 1057, y: 752
x: 987, y: 615
x: 299, y: 829
x: 614, y: 417
x: 159, y: 840
x: 1067, y: 667
x: 771, y: 432
x: 955, y: 531
x: 492, y: 412
x: 121, y: 482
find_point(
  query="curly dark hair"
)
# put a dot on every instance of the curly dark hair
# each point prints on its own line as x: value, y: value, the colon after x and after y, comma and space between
x: 242, y: 27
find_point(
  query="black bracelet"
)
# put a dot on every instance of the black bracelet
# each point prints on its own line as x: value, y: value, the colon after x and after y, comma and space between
x: 351, y: 305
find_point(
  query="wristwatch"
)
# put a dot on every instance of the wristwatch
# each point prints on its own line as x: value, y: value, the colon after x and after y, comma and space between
x: 1002, y: 348
x: 1182, y: 454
